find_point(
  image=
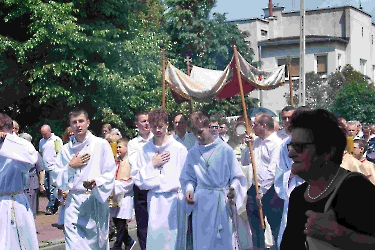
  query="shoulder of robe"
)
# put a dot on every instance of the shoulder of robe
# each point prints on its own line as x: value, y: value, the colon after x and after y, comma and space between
x: 15, y: 139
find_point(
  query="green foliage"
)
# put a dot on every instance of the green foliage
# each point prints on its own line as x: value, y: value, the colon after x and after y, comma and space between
x: 103, y: 56
x: 356, y: 101
x: 322, y: 92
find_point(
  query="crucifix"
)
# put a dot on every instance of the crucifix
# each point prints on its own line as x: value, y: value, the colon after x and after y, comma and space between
x: 188, y: 60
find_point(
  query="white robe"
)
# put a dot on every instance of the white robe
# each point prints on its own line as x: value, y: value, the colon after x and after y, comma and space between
x: 167, y: 217
x: 284, y: 183
x: 123, y: 195
x: 17, y: 226
x: 86, y: 215
x: 212, y: 222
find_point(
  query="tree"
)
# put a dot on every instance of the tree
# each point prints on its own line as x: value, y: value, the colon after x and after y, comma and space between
x: 322, y: 92
x: 356, y: 101
x: 101, y: 55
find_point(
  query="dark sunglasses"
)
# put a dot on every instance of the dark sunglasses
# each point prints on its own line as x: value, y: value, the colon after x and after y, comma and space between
x: 216, y: 127
x: 298, y: 147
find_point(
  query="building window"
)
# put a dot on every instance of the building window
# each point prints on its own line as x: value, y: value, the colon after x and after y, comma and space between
x: 321, y: 65
x: 362, y: 66
x: 294, y: 66
x: 263, y: 33
x: 362, y: 31
x: 372, y: 39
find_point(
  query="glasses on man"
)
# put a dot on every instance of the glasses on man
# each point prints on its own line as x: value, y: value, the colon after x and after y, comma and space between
x: 215, y: 127
x: 298, y: 147
x: 284, y: 118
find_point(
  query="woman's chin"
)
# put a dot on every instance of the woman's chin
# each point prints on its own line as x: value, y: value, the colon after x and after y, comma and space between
x: 295, y: 169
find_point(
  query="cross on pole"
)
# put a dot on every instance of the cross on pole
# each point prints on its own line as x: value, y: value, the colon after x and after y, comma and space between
x: 188, y: 60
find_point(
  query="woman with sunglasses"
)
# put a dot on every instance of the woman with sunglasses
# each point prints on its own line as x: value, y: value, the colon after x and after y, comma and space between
x: 332, y: 206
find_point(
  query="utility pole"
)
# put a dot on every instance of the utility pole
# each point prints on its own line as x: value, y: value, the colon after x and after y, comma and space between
x: 302, y: 93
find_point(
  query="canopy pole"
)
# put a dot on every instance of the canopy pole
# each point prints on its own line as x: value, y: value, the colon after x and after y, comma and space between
x: 163, y: 53
x: 188, y: 60
x: 248, y: 129
x: 289, y: 61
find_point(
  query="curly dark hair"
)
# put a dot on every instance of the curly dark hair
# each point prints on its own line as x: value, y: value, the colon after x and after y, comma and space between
x: 156, y: 116
x: 5, y: 122
x: 198, y: 120
x: 325, y: 130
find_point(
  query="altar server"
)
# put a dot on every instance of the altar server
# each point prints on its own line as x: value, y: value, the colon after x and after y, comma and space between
x: 211, y: 180
x: 17, y: 157
x: 157, y: 168
x: 86, y: 168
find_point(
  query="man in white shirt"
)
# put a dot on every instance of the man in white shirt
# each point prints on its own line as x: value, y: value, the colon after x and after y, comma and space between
x: 286, y: 114
x: 86, y: 167
x: 223, y: 128
x: 182, y: 136
x: 140, y: 196
x: 49, y: 147
x: 266, y: 152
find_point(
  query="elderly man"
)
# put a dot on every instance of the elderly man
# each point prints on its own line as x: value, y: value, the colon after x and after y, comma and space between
x: 86, y: 168
x: 352, y: 129
x: 266, y: 152
x: 49, y: 147
x: 182, y: 136
x: 17, y: 157
x: 140, y: 196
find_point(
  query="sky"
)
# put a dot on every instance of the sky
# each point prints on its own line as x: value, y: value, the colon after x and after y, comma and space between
x: 243, y: 9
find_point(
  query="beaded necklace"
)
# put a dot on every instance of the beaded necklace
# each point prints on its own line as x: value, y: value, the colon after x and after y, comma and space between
x: 325, y: 190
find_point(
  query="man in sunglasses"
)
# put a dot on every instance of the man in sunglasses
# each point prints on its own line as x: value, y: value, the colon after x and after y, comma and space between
x: 266, y: 150
x: 214, y: 126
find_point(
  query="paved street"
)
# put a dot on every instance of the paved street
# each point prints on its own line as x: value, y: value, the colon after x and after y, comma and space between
x: 51, y: 237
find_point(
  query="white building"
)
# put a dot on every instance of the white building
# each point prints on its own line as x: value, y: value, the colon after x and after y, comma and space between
x: 334, y: 37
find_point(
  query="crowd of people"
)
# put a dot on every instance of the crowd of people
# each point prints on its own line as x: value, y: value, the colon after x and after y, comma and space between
x: 186, y: 184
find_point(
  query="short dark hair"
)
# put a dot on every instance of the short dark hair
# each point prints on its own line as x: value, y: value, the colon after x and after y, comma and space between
x: 268, y: 120
x: 142, y: 112
x: 182, y: 115
x: 325, y: 130
x: 223, y: 121
x: 362, y: 144
x: 158, y: 115
x: 107, y: 126
x: 288, y: 108
x: 5, y: 121
x: 198, y: 120
x: 77, y: 111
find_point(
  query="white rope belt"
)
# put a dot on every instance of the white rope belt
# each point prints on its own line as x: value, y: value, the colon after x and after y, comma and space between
x: 80, y: 191
x: 218, y: 214
x: 13, y: 218
x: 11, y: 193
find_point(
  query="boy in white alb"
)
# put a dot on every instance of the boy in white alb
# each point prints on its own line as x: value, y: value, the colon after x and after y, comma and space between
x: 123, y: 193
x: 157, y: 168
